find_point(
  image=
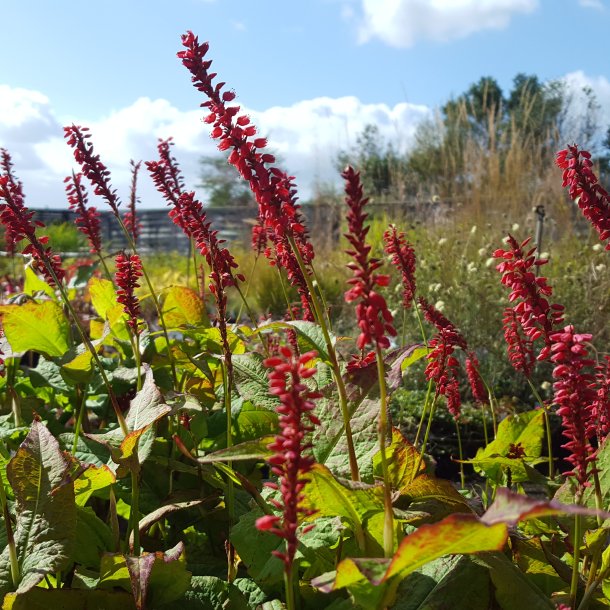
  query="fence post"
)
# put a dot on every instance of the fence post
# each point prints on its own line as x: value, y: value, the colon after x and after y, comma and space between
x: 540, y: 214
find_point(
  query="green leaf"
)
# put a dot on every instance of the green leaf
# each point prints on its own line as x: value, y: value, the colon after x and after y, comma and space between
x: 79, y: 369
x: 103, y: 296
x: 94, y: 478
x: 45, y: 510
x: 40, y: 327
x: 374, y: 582
x: 252, y: 382
x: 514, y: 590
x: 309, y: 336
x: 210, y: 593
x: 250, y: 450
x: 94, y: 538
x: 417, y: 353
x: 33, y: 284
x: 68, y: 599
x: 402, y: 458
x: 148, y: 405
x: 330, y: 498
x: 184, y: 307
x: 523, y: 429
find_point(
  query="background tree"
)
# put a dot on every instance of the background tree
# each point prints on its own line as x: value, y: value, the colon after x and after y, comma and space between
x: 222, y: 184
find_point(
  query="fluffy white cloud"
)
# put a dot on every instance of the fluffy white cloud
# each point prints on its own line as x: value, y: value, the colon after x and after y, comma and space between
x: 402, y: 23
x: 596, y: 4
x: 307, y: 135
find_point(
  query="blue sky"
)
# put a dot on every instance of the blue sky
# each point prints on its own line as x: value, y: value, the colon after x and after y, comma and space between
x: 311, y: 73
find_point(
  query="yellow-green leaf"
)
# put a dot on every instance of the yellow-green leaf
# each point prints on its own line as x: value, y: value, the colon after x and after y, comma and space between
x: 183, y: 306
x: 403, y: 460
x: 103, y: 296
x: 41, y: 327
x: 91, y: 480
x: 33, y: 283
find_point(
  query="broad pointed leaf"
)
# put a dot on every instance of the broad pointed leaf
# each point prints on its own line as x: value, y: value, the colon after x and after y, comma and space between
x: 184, y: 307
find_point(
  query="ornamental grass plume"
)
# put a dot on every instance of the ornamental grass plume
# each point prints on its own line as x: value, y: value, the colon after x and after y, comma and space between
x: 273, y: 189
x: 403, y: 258
x: 443, y: 366
x: 585, y: 190
x: 20, y: 225
x: 128, y: 271
x: 130, y: 219
x: 87, y: 217
x: 536, y: 316
x: 374, y: 317
x: 575, y: 397
x: 94, y: 170
x: 291, y: 460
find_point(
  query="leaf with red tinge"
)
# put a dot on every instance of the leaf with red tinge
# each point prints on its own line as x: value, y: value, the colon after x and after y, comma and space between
x: 509, y: 507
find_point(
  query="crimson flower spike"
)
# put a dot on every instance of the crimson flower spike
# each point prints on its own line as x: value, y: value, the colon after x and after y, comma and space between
x: 443, y: 366
x: 584, y: 188
x: 574, y: 397
x: 374, y: 317
x: 520, y: 348
x: 94, y: 170
x: 291, y: 460
x: 130, y: 219
x: 87, y: 218
x: 128, y: 271
x: 18, y: 220
x: 601, y: 405
x: 273, y: 189
x: 537, y: 318
x: 403, y: 258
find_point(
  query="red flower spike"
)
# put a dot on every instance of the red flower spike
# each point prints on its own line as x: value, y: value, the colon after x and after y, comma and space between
x: 575, y: 398
x: 535, y: 315
x: 19, y: 223
x: 374, y: 317
x: 520, y: 348
x: 94, y: 170
x: 128, y: 271
x: 87, y: 218
x: 585, y: 189
x: 273, y: 189
x: 290, y: 461
x: 601, y: 404
x: 442, y: 365
x: 403, y: 258
x: 479, y: 393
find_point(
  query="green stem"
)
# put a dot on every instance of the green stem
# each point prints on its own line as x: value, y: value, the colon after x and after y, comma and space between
x: 12, y: 547
x: 334, y: 364
x: 382, y: 429
x: 106, y: 270
x: 134, y: 513
x: 576, y: 565
x: 547, y: 426
x: 289, y: 587
x: 423, y: 413
x: 461, y: 454
x: 82, y: 395
x: 244, y: 297
x: 230, y: 496
x: 427, y: 434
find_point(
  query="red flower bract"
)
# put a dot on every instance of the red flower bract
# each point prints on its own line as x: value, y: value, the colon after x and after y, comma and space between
x: 290, y: 461
x: 585, y: 189
x: 87, y: 218
x: 536, y: 316
x: 574, y: 398
x: 374, y: 317
x: 403, y: 258
x: 128, y: 271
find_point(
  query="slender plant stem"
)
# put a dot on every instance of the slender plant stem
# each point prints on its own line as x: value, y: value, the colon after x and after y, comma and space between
x: 105, y: 266
x: 12, y: 548
x: 334, y: 364
x: 575, y: 567
x: 388, y: 522
x: 230, y: 496
x: 423, y: 413
x: 135, y: 509
x: 547, y: 425
x: 289, y: 587
x: 427, y: 433
x: 461, y: 454
x: 244, y: 296
x: 81, y: 394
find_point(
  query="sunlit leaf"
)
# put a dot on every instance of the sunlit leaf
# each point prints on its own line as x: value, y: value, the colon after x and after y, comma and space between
x: 183, y: 307
x: 68, y: 599
x: 45, y: 511
x: 33, y: 284
x: 40, y: 327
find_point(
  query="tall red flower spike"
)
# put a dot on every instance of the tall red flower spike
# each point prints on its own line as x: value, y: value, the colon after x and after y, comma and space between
x: 128, y: 271
x: 443, y: 366
x: 585, y: 189
x: 479, y: 392
x: 91, y: 166
x: 520, y: 348
x: 536, y: 316
x: 130, y: 219
x: 403, y: 258
x: 87, y: 217
x: 374, y: 317
x: 575, y: 397
x: 273, y: 189
x: 601, y: 404
x: 291, y: 461
x: 19, y: 222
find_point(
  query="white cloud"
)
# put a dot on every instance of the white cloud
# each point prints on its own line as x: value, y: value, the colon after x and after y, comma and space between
x: 307, y: 135
x: 402, y: 23
x: 596, y: 4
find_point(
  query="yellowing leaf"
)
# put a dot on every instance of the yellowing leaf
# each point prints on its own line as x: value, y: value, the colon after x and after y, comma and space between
x: 40, y: 327
x: 33, y: 284
x: 103, y: 296
x: 93, y: 479
x: 403, y: 460
x: 183, y: 306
